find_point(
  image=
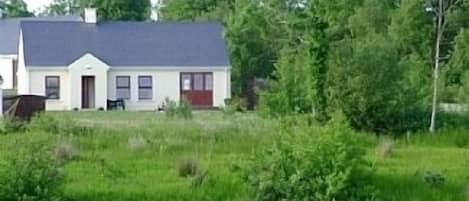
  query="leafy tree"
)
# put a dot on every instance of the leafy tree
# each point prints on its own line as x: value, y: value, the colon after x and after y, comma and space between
x: 135, y: 10
x: 64, y: 7
x: 16, y: 8
x: 252, y: 33
x: 195, y: 10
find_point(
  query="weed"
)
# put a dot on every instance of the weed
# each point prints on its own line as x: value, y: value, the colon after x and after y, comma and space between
x: 32, y: 176
x: 434, y: 180
x: 11, y: 125
x: 65, y: 150
x: 385, y: 148
x: 182, y: 110
x: 137, y: 143
x: 188, y: 168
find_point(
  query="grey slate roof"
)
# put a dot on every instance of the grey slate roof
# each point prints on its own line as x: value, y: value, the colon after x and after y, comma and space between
x: 129, y: 44
x: 9, y: 31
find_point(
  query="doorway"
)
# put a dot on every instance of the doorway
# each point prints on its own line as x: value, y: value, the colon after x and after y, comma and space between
x: 197, y: 88
x: 87, y: 92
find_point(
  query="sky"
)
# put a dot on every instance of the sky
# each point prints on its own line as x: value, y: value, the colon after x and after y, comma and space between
x: 36, y: 5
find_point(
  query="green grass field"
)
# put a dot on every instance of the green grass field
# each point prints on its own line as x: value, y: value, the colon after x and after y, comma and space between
x: 135, y: 156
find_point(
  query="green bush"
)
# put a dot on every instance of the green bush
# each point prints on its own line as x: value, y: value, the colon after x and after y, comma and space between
x: 318, y: 164
x: 52, y: 124
x: 31, y: 175
x: 11, y: 125
x: 182, y: 110
x: 235, y: 105
x: 185, y: 109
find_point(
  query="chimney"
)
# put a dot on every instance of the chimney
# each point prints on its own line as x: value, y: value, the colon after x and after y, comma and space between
x: 90, y: 15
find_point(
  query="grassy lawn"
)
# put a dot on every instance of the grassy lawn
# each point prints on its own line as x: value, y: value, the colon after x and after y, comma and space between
x: 135, y: 156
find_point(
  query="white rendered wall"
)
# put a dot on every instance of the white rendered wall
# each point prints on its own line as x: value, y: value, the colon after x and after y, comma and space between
x: 38, y: 87
x: 165, y: 84
x: 221, y: 87
x: 6, y: 71
x: 88, y: 65
x: 23, y: 75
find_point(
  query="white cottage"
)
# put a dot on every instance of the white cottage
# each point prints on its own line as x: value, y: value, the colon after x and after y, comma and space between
x: 82, y: 65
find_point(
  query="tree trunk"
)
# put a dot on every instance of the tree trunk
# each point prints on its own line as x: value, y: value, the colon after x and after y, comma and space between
x: 437, y: 66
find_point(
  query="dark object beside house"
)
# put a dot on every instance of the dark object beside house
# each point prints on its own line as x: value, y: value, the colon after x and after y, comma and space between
x: 23, y: 107
x: 115, y: 104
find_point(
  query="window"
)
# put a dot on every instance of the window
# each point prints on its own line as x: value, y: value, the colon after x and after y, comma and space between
x: 53, y: 87
x: 123, y: 87
x: 186, y: 82
x: 145, y: 88
x: 199, y: 82
x: 208, y: 82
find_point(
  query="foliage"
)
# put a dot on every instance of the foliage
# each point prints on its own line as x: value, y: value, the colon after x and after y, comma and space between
x: 182, y: 110
x: 63, y: 7
x: 120, y: 10
x: 434, y: 180
x: 370, y: 93
x: 32, y: 176
x: 107, y: 169
x: 45, y: 122
x: 65, y: 150
x: 188, y: 168
x: 234, y: 105
x: 15, y: 8
x: 195, y: 10
x: 11, y: 125
x: 313, y: 164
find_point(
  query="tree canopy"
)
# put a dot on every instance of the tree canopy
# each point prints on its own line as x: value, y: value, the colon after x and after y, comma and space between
x: 121, y: 10
x: 15, y: 8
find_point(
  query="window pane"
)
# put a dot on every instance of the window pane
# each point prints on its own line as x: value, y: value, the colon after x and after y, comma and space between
x: 52, y: 82
x: 198, y: 82
x: 123, y: 93
x: 208, y: 82
x: 52, y: 93
x: 145, y: 81
x: 145, y: 94
x: 52, y: 87
x: 186, y: 82
x: 123, y: 81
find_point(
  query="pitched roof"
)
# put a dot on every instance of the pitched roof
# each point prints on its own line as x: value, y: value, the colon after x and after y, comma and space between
x: 129, y: 44
x: 9, y: 31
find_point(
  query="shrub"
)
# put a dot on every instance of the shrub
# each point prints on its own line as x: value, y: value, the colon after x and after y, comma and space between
x: 44, y: 122
x: 64, y: 151
x: 320, y: 164
x: 11, y: 125
x: 434, y: 180
x: 170, y: 108
x: 235, y: 105
x: 31, y: 175
x: 182, y: 110
x: 51, y: 124
x: 385, y: 148
x: 188, y: 168
x: 185, y: 109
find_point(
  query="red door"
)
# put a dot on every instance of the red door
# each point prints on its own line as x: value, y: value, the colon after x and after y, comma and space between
x: 197, y: 88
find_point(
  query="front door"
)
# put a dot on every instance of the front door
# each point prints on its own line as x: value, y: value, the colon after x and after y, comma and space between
x: 87, y: 92
x: 197, y: 88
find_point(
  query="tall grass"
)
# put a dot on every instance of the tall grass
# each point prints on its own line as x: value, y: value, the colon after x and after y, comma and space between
x: 135, y: 156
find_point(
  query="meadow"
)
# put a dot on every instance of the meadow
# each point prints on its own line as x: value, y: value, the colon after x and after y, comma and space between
x: 141, y: 156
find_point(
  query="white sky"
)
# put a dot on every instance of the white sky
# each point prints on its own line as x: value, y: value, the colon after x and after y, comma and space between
x: 37, y: 5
